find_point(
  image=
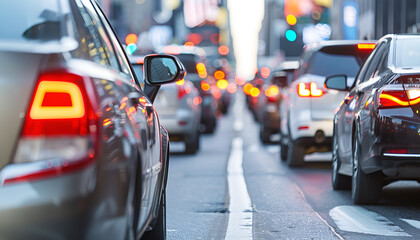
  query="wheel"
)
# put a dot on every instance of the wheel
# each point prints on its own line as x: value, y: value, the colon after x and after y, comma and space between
x: 366, y: 188
x: 264, y: 134
x: 159, y: 230
x: 339, y: 181
x: 283, y: 148
x: 192, y: 144
x: 295, y: 154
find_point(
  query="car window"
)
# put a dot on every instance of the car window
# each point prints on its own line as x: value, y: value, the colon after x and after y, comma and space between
x: 119, y: 52
x: 327, y: 64
x: 189, y: 61
x: 407, y: 53
x: 37, y: 20
x: 373, y: 65
x: 90, y: 41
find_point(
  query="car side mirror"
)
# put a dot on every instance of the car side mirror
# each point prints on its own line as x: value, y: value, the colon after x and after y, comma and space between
x: 337, y: 82
x: 161, y: 69
x: 279, y: 78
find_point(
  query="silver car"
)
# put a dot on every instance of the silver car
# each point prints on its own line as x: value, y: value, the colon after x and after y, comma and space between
x: 82, y: 152
x: 179, y: 108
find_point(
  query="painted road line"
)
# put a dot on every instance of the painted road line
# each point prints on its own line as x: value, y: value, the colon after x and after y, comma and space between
x: 240, y: 207
x: 413, y: 223
x: 361, y: 220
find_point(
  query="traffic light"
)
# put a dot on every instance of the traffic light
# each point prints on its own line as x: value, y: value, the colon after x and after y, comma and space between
x: 290, y: 33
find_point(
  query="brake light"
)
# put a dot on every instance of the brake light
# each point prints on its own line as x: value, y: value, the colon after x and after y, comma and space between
x: 201, y: 70
x: 222, y: 84
x: 205, y: 86
x: 272, y: 93
x: 219, y: 74
x: 182, y: 88
x: 247, y: 88
x: 60, y: 130
x: 396, y: 95
x: 309, y: 90
x: 366, y: 46
x: 255, y: 92
x: 397, y: 151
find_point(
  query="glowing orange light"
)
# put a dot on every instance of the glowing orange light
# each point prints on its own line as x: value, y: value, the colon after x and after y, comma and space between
x: 140, y: 60
x: 366, y: 46
x: 180, y: 82
x: 205, y: 86
x: 194, y: 38
x: 223, y: 50
x: 122, y: 106
x: 106, y: 122
x: 222, y: 84
x: 219, y: 74
x: 131, y: 39
x: 232, y: 88
x: 75, y: 110
x: 272, y: 91
x: 265, y: 72
x: 291, y: 19
x: 189, y: 44
x: 142, y: 100
x: 247, y: 88
x: 255, y: 92
x: 216, y: 93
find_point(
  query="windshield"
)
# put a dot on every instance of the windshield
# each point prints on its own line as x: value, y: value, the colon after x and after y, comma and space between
x: 38, y: 20
x: 326, y: 64
x: 408, y: 53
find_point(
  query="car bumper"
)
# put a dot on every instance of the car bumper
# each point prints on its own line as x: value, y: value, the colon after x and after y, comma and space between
x: 392, y: 132
x: 184, y: 123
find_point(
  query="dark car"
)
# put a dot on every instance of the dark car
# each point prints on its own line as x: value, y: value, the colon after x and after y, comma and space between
x: 270, y: 100
x: 82, y: 152
x: 376, y: 127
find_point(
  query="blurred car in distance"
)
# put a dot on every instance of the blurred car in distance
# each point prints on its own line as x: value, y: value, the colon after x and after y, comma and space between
x: 179, y: 108
x: 194, y: 60
x: 376, y: 127
x: 271, y: 98
x: 83, y: 154
x: 310, y: 106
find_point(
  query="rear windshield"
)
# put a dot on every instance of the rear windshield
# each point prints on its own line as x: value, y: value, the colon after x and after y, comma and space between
x: 408, y: 53
x: 22, y: 20
x: 190, y: 61
x: 331, y: 61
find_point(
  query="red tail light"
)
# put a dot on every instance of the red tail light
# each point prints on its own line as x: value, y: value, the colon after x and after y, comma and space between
x: 397, y: 151
x: 60, y: 129
x: 205, y: 86
x: 183, y: 89
x: 396, y: 95
x: 366, y: 46
x: 309, y: 90
x: 272, y: 93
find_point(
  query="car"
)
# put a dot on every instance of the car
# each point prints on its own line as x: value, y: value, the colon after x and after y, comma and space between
x: 271, y: 98
x: 83, y: 154
x: 195, y: 61
x: 309, y: 108
x: 179, y: 108
x: 376, y: 127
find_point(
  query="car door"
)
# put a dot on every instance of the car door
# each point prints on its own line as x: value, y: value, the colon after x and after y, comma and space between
x: 353, y: 103
x: 144, y: 121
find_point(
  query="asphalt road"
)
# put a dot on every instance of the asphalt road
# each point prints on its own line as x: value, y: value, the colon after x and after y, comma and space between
x: 285, y: 203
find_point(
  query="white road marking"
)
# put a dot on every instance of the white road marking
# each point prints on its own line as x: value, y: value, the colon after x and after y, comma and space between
x: 240, y: 207
x: 413, y: 223
x: 360, y: 220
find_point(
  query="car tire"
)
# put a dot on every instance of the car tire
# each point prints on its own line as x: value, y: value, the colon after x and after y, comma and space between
x: 295, y: 154
x: 366, y: 188
x: 264, y: 134
x: 159, y: 230
x: 192, y: 144
x: 339, y: 181
x: 283, y: 148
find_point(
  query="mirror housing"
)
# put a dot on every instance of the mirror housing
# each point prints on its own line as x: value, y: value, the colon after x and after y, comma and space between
x: 161, y: 69
x: 279, y: 78
x: 337, y: 82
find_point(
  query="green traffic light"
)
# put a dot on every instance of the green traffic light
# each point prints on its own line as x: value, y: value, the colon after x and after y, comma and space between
x: 291, y: 35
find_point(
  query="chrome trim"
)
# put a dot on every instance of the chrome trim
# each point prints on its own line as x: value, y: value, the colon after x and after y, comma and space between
x: 400, y: 155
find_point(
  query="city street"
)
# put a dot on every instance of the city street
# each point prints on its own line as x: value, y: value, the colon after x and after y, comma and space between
x: 205, y: 199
